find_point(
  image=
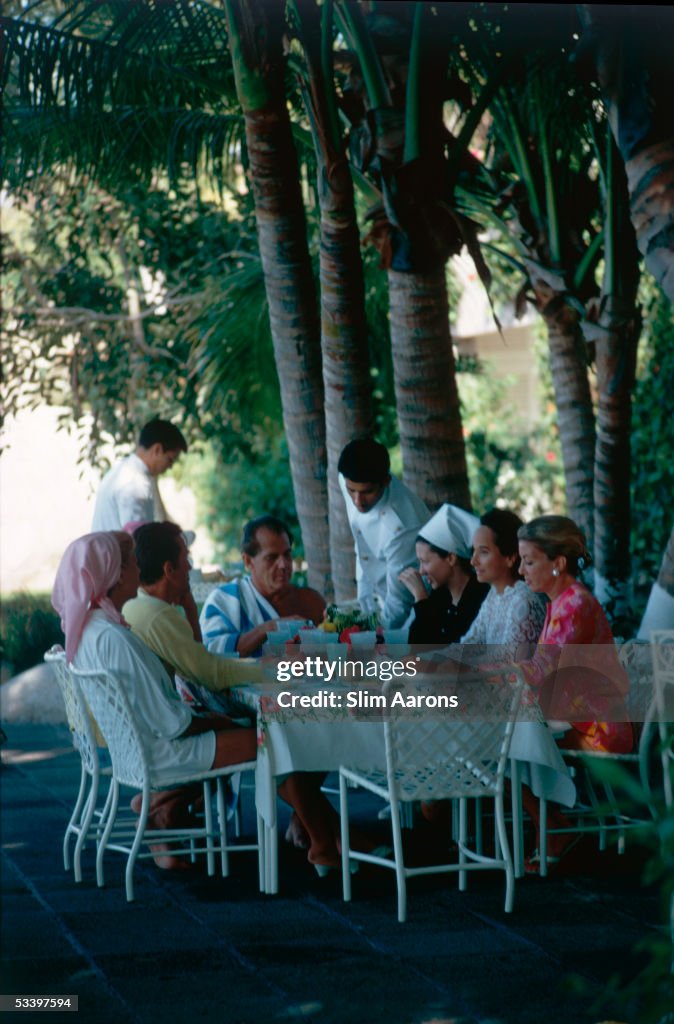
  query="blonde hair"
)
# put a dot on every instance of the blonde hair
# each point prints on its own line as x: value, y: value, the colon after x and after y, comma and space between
x: 555, y: 536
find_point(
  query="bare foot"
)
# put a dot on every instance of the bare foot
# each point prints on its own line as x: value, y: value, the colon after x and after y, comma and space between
x: 167, y: 861
x: 166, y: 815
x: 297, y: 834
x: 324, y: 856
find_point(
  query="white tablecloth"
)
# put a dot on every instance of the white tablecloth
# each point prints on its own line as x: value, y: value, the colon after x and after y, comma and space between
x: 323, y: 739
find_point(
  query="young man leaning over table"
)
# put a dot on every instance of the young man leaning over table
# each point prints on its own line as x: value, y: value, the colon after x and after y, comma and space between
x: 155, y: 617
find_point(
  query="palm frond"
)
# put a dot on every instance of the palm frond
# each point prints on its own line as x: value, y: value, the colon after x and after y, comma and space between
x: 119, y: 86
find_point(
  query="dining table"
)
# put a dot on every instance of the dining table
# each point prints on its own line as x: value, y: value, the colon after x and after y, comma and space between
x: 328, y: 733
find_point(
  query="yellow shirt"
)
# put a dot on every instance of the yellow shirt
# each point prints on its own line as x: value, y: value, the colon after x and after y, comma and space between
x: 167, y: 632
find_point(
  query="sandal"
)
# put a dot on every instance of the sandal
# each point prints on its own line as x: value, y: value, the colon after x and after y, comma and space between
x: 532, y: 864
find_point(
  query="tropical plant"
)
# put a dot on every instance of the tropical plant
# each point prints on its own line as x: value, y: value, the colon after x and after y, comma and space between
x: 255, y: 32
x: 346, y: 377
x: 141, y: 310
x: 29, y: 626
x: 612, y: 325
x: 149, y: 85
x: 393, y: 96
x: 534, y: 187
x: 652, y: 446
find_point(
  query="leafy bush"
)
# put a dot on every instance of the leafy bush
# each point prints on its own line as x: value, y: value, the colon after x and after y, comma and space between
x: 29, y: 626
x: 230, y: 493
x: 652, y: 439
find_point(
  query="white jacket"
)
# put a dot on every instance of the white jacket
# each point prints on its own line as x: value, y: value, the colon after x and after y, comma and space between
x: 385, y: 545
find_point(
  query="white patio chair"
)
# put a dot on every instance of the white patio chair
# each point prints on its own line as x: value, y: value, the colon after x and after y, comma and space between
x: 85, y: 820
x: 662, y: 651
x: 604, y: 813
x: 443, y: 756
x: 132, y: 768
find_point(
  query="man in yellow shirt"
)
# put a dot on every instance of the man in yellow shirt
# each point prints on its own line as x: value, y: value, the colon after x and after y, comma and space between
x: 164, y: 614
x: 155, y: 615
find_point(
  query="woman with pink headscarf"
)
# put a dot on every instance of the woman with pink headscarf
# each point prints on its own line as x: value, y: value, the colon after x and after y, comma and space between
x: 97, y: 575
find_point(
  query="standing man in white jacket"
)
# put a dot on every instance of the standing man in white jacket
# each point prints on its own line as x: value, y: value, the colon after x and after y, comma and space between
x: 128, y: 493
x: 385, y: 518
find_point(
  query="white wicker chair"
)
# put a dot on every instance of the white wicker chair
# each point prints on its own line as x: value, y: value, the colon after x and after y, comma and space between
x: 85, y: 820
x: 435, y: 757
x: 605, y: 814
x: 662, y: 651
x: 132, y: 768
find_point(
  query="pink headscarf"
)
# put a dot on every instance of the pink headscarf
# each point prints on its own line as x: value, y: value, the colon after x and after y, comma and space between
x: 131, y: 527
x: 90, y: 566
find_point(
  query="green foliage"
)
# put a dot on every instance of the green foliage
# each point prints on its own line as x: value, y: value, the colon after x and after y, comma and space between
x: 648, y: 996
x: 229, y: 494
x: 508, y: 465
x: 124, y: 306
x: 29, y: 626
x: 652, y: 439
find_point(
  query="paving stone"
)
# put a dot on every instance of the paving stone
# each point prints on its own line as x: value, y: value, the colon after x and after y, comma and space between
x: 216, y: 949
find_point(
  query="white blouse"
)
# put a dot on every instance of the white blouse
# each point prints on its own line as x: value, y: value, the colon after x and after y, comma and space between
x: 508, y: 620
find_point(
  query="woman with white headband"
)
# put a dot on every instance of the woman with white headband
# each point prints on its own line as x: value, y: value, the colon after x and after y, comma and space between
x: 444, y: 548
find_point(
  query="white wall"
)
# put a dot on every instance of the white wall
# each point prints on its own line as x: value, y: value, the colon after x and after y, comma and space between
x: 47, y: 499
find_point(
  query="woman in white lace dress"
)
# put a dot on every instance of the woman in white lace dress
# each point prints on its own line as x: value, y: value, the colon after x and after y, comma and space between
x: 511, y: 615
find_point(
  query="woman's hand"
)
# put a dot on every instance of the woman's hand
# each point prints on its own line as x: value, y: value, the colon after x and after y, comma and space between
x: 413, y: 580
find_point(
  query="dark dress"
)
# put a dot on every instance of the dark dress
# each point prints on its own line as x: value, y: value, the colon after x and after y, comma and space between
x: 437, y: 620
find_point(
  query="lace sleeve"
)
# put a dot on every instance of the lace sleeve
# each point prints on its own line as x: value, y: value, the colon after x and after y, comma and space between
x: 526, y: 614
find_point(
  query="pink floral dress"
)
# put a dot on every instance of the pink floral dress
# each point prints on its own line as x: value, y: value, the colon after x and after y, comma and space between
x: 574, y: 680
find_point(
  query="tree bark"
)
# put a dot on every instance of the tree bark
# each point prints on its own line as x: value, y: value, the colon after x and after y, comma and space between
x: 431, y: 433
x: 633, y: 62
x: 255, y: 32
x: 344, y: 336
x: 616, y: 356
x: 346, y: 378
x: 289, y: 285
x: 575, y: 416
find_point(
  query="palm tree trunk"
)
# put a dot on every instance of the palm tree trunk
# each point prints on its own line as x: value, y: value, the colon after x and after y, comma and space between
x: 616, y: 339
x: 632, y: 55
x: 575, y: 417
x: 255, y: 31
x: 659, y: 612
x: 344, y: 338
x: 427, y: 400
x: 616, y: 356
x: 346, y: 378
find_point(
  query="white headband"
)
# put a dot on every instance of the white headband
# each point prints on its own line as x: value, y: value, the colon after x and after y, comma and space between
x: 452, y: 529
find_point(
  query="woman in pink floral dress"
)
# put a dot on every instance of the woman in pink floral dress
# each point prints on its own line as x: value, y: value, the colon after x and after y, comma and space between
x: 583, y: 685
x: 574, y: 683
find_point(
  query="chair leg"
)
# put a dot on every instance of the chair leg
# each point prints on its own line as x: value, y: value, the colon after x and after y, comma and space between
x: 222, y: 822
x: 72, y: 828
x: 89, y: 808
x: 344, y: 837
x: 208, y: 824
x: 463, y: 833
x: 272, y: 857
x: 517, y: 818
x: 478, y: 825
x: 111, y: 803
x: 135, y: 847
x: 261, y: 854
x: 502, y: 834
x: 401, y: 881
x: 543, y: 837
